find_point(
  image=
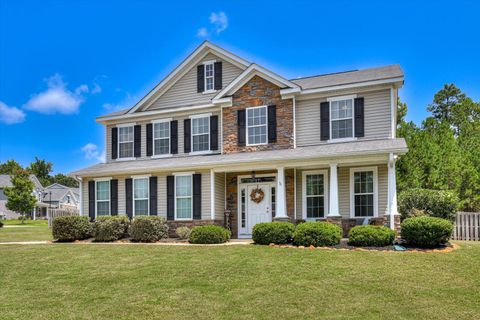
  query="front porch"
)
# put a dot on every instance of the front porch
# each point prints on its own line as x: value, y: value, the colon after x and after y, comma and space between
x: 342, y: 192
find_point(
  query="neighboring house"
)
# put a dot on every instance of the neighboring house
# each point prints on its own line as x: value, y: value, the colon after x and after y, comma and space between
x: 5, y: 181
x: 221, y: 134
x: 60, y: 196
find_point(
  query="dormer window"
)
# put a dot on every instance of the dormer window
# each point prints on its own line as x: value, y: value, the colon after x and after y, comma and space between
x: 209, y: 76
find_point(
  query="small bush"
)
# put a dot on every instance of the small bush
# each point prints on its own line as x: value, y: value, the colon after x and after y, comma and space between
x: 273, y: 232
x: 317, y: 234
x: 209, y: 234
x: 1, y: 224
x: 183, y: 232
x: 71, y: 228
x: 434, y: 203
x: 110, y: 228
x: 426, y: 231
x: 371, y: 236
x: 148, y: 229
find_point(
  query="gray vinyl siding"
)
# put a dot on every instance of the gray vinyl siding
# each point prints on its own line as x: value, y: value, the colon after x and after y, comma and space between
x: 161, y: 194
x: 344, y: 190
x: 144, y: 136
x: 219, y: 196
x: 377, y: 118
x: 184, y: 91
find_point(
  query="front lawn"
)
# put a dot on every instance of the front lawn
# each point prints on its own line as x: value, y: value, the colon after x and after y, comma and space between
x: 31, y: 231
x: 81, y: 281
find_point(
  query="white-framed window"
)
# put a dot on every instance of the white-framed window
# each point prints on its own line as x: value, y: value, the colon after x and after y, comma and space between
x: 141, y: 190
x: 200, y: 133
x: 209, y: 69
x: 341, y: 117
x: 363, y: 192
x: 184, y: 197
x: 102, y: 197
x: 315, y: 195
x: 257, y: 125
x: 125, y: 141
x: 161, y: 137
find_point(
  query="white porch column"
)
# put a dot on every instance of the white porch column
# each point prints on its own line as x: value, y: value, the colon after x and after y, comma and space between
x: 281, y: 205
x: 333, y: 192
x: 212, y: 194
x: 392, y: 191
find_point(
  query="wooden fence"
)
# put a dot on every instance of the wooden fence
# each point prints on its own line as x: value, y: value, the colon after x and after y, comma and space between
x: 54, y: 213
x: 467, y: 226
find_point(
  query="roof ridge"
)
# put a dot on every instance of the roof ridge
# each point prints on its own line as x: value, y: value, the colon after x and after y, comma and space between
x: 325, y: 74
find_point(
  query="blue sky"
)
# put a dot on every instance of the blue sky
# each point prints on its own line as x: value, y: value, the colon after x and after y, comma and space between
x: 62, y: 63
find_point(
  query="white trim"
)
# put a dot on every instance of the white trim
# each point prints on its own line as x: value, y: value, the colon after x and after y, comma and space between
x: 125, y: 159
x: 375, y: 191
x: 122, y: 126
x: 162, y: 155
x: 393, y: 112
x: 206, y: 47
x: 102, y: 179
x: 339, y: 140
x: 133, y: 193
x: 221, y: 131
x: 205, y: 64
x: 209, y: 61
x: 294, y: 123
x: 295, y: 193
x: 209, y: 91
x: 199, y: 153
x: 80, y: 182
x: 212, y: 194
x: 161, y: 120
x: 324, y: 172
x: 247, y: 126
x: 184, y: 173
x: 352, y: 85
x: 342, y: 98
x: 109, y: 196
x: 187, y: 174
x: 200, y: 116
x: 141, y: 176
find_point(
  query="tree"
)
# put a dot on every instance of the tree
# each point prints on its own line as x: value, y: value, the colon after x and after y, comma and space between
x: 20, y: 196
x: 444, y: 101
x: 41, y: 169
x: 10, y: 167
x: 401, y: 111
x: 65, y: 180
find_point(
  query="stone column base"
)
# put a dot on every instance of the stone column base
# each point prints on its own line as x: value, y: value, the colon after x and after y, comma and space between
x: 281, y: 219
x: 396, y: 222
x: 338, y: 221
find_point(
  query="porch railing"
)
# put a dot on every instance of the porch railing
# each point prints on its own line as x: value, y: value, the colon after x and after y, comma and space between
x: 467, y: 226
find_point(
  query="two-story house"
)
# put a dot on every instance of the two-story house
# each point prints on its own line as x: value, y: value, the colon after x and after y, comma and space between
x: 221, y: 134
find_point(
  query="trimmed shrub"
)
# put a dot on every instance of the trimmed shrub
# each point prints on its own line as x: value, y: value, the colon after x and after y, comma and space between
x: 426, y: 231
x: 183, y: 232
x: 209, y: 234
x: 71, y: 228
x: 273, y: 232
x: 317, y: 234
x: 110, y: 228
x: 371, y: 236
x: 148, y: 229
x: 434, y: 203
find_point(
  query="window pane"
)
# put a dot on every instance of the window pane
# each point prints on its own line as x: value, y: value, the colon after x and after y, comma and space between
x: 125, y: 134
x: 140, y: 188
x: 342, y: 129
x: 363, y: 182
x: 315, y: 184
x: 200, y: 125
x: 103, y: 208
x: 103, y: 190
x: 126, y: 150
x: 162, y: 146
x: 364, y: 205
x: 200, y: 142
x: 141, y: 207
x: 341, y: 109
x: 161, y: 130
x: 184, y: 208
x: 315, y: 207
x: 183, y: 186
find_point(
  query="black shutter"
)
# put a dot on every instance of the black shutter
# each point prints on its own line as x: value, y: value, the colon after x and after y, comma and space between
x: 325, y: 120
x: 200, y: 78
x: 114, y: 143
x: 137, y: 141
x: 359, y: 117
x: 114, y: 197
x: 214, y: 133
x: 153, y: 196
x: 241, y: 127
x: 217, y: 66
x: 197, y: 196
x: 186, y: 136
x: 91, y: 200
x: 128, y: 198
x: 170, y: 197
x: 272, y: 124
x: 149, y: 139
x: 174, y: 137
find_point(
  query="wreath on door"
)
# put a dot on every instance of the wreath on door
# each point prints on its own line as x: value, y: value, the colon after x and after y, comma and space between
x: 257, y: 195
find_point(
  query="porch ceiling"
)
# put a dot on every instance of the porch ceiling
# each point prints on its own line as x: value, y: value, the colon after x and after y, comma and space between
x: 348, y: 152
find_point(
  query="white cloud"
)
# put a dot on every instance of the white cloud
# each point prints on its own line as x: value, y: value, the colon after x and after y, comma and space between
x: 127, y: 102
x: 219, y: 23
x: 57, y: 98
x: 96, y: 88
x: 10, y: 115
x: 91, y: 151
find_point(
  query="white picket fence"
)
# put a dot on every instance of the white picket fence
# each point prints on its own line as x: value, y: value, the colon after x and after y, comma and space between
x: 467, y: 226
x: 54, y: 213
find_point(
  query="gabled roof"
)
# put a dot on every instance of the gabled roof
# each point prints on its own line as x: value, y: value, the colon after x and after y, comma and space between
x: 250, y: 72
x: 5, y: 181
x: 190, y: 62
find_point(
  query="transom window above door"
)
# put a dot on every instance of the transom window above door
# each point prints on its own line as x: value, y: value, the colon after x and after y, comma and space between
x: 314, y: 194
x: 201, y: 134
x: 257, y: 125
x: 161, y: 138
x: 125, y: 142
x: 341, y: 118
x: 209, y: 76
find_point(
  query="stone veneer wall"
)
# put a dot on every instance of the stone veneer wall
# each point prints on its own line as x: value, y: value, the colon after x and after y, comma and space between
x: 232, y: 195
x: 258, y: 92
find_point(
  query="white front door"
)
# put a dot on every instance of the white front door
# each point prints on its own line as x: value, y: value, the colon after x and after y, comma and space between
x: 255, y: 212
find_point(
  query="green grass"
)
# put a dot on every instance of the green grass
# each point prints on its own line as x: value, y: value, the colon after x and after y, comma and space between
x: 27, y: 222
x: 32, y: 231
x: 65, y: 281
